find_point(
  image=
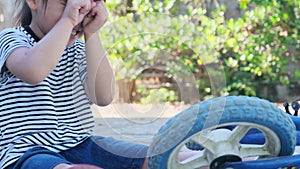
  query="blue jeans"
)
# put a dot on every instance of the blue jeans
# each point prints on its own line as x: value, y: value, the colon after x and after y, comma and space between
x: 107, y: 153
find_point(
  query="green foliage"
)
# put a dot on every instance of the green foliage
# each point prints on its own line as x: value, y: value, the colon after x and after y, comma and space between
x: 181, y: 36
x: 160, y: 95
x: 258, y: 51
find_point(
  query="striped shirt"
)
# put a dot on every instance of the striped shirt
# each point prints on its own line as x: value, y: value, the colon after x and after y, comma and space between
x: 54, y: 114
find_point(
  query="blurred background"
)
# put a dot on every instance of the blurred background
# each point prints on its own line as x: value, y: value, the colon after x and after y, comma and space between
x: 186, y: 51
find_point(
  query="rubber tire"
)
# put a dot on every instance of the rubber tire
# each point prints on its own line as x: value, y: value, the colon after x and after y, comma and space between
x: 225, y: 110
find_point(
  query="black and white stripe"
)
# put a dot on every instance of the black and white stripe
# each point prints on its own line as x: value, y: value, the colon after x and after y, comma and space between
x: 54, y: 114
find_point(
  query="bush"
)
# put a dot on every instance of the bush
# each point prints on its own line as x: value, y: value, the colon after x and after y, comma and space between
x: 251, y: 51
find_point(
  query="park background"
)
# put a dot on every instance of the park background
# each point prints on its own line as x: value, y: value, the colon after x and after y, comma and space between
x: 191, y: 50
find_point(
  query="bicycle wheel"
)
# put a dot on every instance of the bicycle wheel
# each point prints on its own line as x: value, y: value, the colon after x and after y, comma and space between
x: 205, y: 124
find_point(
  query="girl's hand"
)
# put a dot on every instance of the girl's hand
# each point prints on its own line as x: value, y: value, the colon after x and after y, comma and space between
x: 96, y: 18
x: 76, y: 10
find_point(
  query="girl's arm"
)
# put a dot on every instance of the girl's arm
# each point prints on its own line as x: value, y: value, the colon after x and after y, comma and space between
x: 33, y: 65
x: 100, y: 83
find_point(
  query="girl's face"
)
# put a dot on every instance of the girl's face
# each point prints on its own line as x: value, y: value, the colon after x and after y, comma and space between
x: 46, y: 16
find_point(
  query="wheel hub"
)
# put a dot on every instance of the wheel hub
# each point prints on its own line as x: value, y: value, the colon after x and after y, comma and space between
x: 220, y: 162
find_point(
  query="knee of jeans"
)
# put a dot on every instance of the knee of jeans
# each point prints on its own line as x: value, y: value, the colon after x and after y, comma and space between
x: 45, y: 161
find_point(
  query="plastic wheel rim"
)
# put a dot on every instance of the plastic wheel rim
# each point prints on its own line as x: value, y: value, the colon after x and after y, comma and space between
x: 215, y: 147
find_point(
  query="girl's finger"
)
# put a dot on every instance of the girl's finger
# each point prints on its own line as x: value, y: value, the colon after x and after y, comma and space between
x: 86, y: 7
x: 100, y: 7
x: 93, y: 3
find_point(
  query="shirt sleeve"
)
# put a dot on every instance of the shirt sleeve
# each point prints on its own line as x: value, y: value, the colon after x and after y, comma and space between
x: 10, y: 40
x: 82, y: 61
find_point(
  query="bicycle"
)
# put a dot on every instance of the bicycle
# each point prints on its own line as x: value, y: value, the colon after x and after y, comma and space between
x: 234, y: 132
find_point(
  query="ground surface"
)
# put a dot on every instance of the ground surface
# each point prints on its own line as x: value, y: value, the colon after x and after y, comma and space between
x: 134, y: 122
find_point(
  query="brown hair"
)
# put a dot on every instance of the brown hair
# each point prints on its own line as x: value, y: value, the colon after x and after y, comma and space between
x: 24, y: 16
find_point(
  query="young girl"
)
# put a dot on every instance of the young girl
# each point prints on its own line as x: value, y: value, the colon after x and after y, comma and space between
x: 48, y: 80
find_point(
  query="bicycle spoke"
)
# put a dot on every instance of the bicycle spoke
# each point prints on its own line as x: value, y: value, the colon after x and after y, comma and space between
x: 238, y: 133
x: 204, y: 142
x: 253, y: 150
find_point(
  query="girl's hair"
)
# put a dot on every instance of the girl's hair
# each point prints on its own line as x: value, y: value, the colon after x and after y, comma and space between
x: 24, y: 16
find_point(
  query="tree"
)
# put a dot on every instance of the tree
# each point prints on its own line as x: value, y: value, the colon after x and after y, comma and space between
x: 255, y: 48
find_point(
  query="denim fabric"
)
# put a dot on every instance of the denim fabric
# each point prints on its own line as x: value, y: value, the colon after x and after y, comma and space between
x: 107, y: 153
x: 37, y: 158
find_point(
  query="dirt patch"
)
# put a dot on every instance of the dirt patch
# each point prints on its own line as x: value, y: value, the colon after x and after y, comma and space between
x: 134, y: 122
